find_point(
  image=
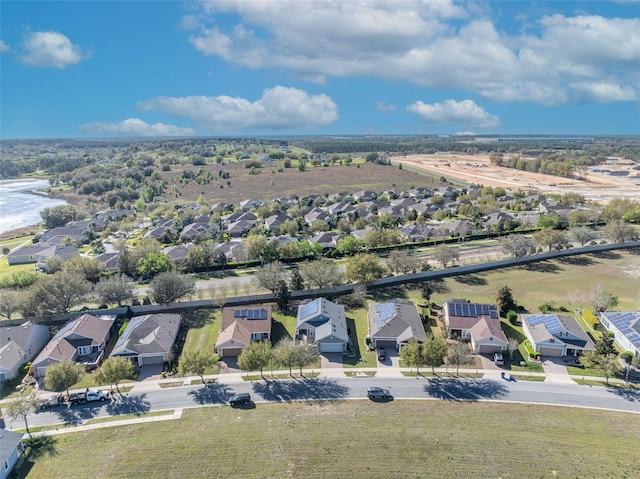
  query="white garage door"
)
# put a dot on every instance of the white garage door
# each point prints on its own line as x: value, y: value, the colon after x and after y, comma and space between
x: 488, y: 348
x: 146, y: 360
x: 330, y: 347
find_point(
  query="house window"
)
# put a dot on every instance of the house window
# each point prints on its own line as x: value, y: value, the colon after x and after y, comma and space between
x: 84, y: 350
x: 256, y: 336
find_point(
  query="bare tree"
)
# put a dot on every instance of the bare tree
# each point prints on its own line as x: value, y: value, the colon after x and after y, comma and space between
x: 582, y: 235
x: 320, y: 274
x: 517, y: 245
x: 269, y: 276
x: 460, y: 354
x: 21, y: 408
x: 444, y: 254
x: 9, y: 302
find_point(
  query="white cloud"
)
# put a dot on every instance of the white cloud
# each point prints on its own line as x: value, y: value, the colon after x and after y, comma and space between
x: 440, y: 44
x: 4, y: 47
x: 51, y: 49
x: 137, y: 127
x: 605, y: 92
x: 278, y: 108
x: 382, y: 106
x: 452, y: 112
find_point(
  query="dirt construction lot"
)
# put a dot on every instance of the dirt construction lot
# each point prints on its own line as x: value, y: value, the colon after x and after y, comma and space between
x: 478, y: 169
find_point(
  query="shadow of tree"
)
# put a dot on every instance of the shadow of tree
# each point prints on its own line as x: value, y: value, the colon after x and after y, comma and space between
x: 137, y: 404
x: 581, y: 260
x: 313, y: 389
x: 465, y: 389
x: 609, y: 255
x: 196, y: 319
x: 41, y: 445
x: 471, y: 280
x: 631, y: 395
x: 388, y: 294
x: 543, y: 267
x: 215, y: 393
x: 278, y: 332
x: 78, y: 413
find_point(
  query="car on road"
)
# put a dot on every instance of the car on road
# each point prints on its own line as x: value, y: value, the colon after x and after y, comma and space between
x: 378, y: 393
x: 240, y: 399
x: 382, y: 354
x: 498, y: 359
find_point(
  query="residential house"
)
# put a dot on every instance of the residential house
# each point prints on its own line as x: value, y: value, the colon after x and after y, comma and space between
x: 326, y: 240
x: 18, y: 345
x: 276, y: 221
x: 393, y: 324
x: 324, y: 324
x: 110, y: 260
x: 165, y: 226
x: 625, y: 327
x: 237, y: 229
x: 112, y: 215
x: 240, y: 216
x: 250, y: 204
x: 365, y: 195
x: 177, y: 254
x: 82, y: 339
x: 11, y: 448
x: 240, y: 326
x: 74, y: 230
x: 459, y: 227
x: 39, y: 252
x: 477, y: 323
x: 233, y: 250
x: 316, y: 214
x: 556, y: 335
x: 199, y: 230
x: 148, y: 339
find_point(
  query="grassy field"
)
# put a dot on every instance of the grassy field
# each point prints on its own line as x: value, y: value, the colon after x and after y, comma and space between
x: 204, y: 328
x: 403, y: 439
x: 270, y: 183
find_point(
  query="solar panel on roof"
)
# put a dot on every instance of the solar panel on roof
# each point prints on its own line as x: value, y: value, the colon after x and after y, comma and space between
x: 385, y: 311
x: 309, y: 309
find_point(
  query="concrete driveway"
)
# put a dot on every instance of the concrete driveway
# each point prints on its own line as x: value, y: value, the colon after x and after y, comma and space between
x: 331, y: 360
x: 556, y: 370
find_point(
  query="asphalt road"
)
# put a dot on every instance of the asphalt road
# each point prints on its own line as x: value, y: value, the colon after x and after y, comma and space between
x: 449, y: 389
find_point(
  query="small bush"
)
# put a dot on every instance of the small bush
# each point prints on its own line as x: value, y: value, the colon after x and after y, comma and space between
x: 627, y: 356
x: 146, y: 301
x: 512, y: 316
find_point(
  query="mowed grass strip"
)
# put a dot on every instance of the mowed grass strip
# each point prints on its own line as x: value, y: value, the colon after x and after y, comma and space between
x: 403, y: 439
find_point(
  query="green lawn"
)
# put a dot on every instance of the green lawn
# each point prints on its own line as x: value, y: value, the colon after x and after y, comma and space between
x: 204, y: 328
x: 357, y: 322
x: 6, y: 270
x: 401, y: 439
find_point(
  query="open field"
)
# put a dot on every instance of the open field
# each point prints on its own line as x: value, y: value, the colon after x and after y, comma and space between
x: 402, y: 439
x: 270, y: 183
x: 566, y: 282
x: 478, y: 169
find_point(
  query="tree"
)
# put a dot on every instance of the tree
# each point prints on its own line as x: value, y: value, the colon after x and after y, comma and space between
x: 153, y: 264
x: 412, y: 354
x: 550, y: 220
x: 517, y: 245
x: 270, y: 275
x: 550, y: 237
x: 202, y: 256
x: 197, y: 362
x: 171, y: 286
x: 114, y: 370
x: 282, y: 295
x: 364, y: 268
x: 256, y: 356
x: 582, y: 235
x: 319, y: 274
x: 21, y: 407
x: 348, y: 245
x: 90, y: 268
x: 460, y: 354
x: 605, y: 345
x: 304, y: 355
x: 63, y: 375
x: 296, y: 283
x: 426, y: 292
x: 284, y: 353
x: 114, y: 289
x: 618, y: 231
x: 434, y: 350
x: 53, y: 264
x: 402, y: 262
x: 512, y: 346
x: 61, y: 291
x: 607, y: 363
x: 59, y: 215
x: 9, y: 302
x: 444, y: 254
x: 600, y: 299
x: 504, y: 299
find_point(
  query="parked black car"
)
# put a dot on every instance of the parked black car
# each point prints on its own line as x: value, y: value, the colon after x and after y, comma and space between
x: 238, y: 399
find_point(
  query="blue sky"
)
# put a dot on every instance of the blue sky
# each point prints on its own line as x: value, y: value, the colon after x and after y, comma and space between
x: 169, y: 68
